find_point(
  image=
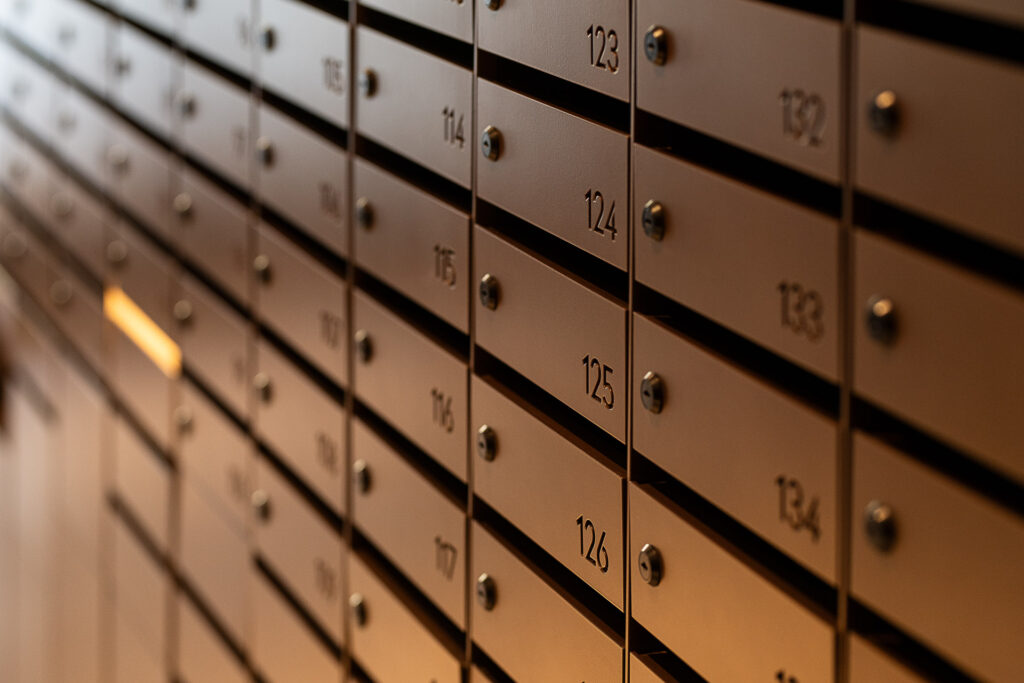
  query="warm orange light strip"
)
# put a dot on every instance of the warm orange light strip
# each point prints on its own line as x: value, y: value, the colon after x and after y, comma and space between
x: 119, y: 309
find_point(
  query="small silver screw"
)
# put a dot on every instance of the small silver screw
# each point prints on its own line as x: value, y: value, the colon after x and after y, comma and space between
x: 361, y: 476
x: 183, y: 419
x: 260, y: 502
x: 884, y: 113
x: 364, y: 213
x: 656, y: 45
x: 652, y: 392
x: 268, y: 38
x: 486, y: 592
x: 368, y: 82
x: 117, y: 253
x: 490, y: 143
x: 650, y: 564
x: 486, y: 443
x: 881, y: 319
x: 182, y: 205
x: 61, y: 293
x: 183, y: 312
x: 261, y: 266
x: 262, y: 385
x: 364, y: 346
x: 357, y: 605
x: 880, y: 525
x: 653, y: 220
x: 265, y: 151
x: 490, y: 292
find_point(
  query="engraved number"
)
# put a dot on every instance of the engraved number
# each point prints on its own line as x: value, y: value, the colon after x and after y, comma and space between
x: 596, y: 556
x: 598, y: 387
x: 803, y: 116
x: 604, y: 48
x: 596, y: 219
x: 802, y: 309
x: 442, y: 410
x: 792, y: 508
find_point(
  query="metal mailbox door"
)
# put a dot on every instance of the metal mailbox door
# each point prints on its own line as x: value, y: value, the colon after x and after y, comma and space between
x: 214, y: 116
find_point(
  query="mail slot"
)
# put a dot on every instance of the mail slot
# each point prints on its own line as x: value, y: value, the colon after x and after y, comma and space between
x: 759, y: 455
x: 916, y: 535
x: 416, y: 104
x: 550, y: 487
x: 214, y: 233
x: 582, y: 41
x: 221, y: 30
x: 300, y: 547
x: 563, y: 173
x: 514, y: 611
x: 948, y: 157
x: 426, y: 260
x: 304, y: 57
x: 379, y: 621
x: 412, y: 383
x: 213, y: 339
x: 554, y: 330
x: 939, y: 346
x: 427, y: 540
x: 453, y: 19
x: 143, y: 482
x: 719, y: 616
x: 304, y: 177
x: 284, y: 648
x: 757, y: 75
x: 303, y: 425
x: 755, y: 263
x: 868, y: 665
x: 142, y: 74
x: 214, y: 117
x: 303, y: 302
x: 80, y: 35
x: 201, y: 654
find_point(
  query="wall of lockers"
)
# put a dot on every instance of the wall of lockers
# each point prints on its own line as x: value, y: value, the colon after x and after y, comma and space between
x: 589, y: 340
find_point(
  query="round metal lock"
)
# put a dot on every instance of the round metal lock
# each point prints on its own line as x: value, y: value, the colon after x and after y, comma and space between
x: 357, y: 607
x: 368, y: 82
x: 260, y: 502
x: 261, y: 266
x: 186, y: 105
x: 486, y: 443
x: 361, y: 476
x: 880, y: 525
x: 265, y: 151
x: 117, y: 158
x: 486, y: 592
x: 493, y: 5
x: 652, y: 392
x: 61, y: 293
x: 364, y: 213
x: 650, y: 564
x: 653, y: 220
x: 490, y: 143
x: 881, y: 319
x: 188, y: 5
x: 122, y: 65
x: 61, y: 205
x: 884, y: 113
x: 364, y: 346
x: 268, y: 38
x: 656, y: 45
x: 263, y: 387
x: 489, y: 291
x: 182, y: 205
x: 183, y: 311
x: 183, y: 419
x: 15, y: 246
x: 117, y: 253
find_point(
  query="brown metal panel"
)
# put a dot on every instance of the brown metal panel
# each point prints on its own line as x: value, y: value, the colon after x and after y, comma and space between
x: 999, y: 10
x: 550, y: 488
x: 939, y: 533
x: 141, y: 176
x: 952, y: 362
x: 762, y: 457
x: 561, y: 172
x: 143, y: 271
x: 140, y: 591
x: 714, y: 612
x: 528, y: 616
x: 80, y: 222
x: 143, y: 483
x: 427, y: 540
x: 387, y: 622
x: 78, y: 312
x: 956, y: 151
x: 869, y: 665
x: 555, y: 330
x: 141, y: 383
x: 760, y: 76
x: 201, y: 654
x: 753, y: 262
x: 417, y: 104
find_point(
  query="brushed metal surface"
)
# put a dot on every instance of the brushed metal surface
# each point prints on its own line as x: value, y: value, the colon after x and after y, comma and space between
x: 217, y: 131
x: 85, y: 468
x: 143, y: 483
x: 304, y: 303
x: 944, y: 533
x: 413, y: 89
x: 543, y: 482
x: 80, y: 38
x: 83, y: 144
x: 307, y: 179
x: 145, y: 275
x: 304, y: 425
x: 143, y: 184
x: 998, y: 10
x: 140, y: 591
x: 550, y: 160
x: 426, y: 259
x: 160, y: 15
x: 954, y: 367
x: 427, y: 539
x: 453, y: 18
x: 83, y: 229
x: 639, y: 673
x: 309, y: 60
x: 731, y: 437
x: 737, y: 255
x: 546, y: 324
x: 582, y: 41
x: 389, y: 622
x: 81, y: 317
x: 304, y: 552
x: 729, y: 63
x: 958, y: 152
x: 714, y: 612
x: 869, y: 664
x: 133, y: 661
x: 133, y: 373
x: 220, y: 30
x: 414, y: 384
x: 201, y: 654
x: 528, y: 617
x: 144, y: 73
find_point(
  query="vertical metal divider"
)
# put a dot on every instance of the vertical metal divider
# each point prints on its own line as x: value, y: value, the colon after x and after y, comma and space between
x: 470, y: 478
x: 631, y: 272
x: 844, y: 469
